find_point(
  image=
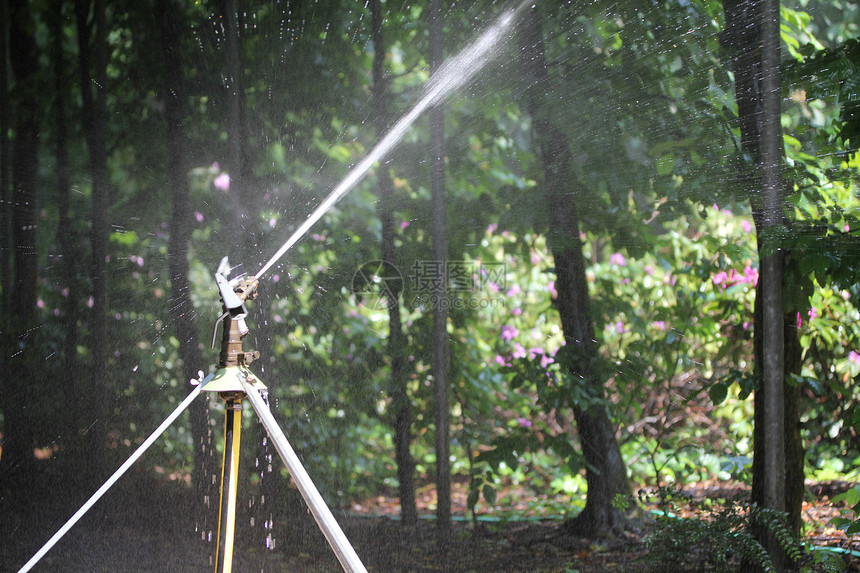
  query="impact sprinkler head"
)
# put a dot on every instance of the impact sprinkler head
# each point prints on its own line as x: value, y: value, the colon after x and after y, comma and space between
x: 234, y: 293
x: 234, y: 361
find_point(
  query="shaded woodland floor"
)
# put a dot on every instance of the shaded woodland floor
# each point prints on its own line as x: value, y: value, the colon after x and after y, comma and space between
x: 146, y: 523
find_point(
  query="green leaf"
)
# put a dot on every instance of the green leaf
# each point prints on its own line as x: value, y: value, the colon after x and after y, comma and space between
x: 718, y: 392
x: 489, y: 493
x: 666, y: 164
x: 472, y: 500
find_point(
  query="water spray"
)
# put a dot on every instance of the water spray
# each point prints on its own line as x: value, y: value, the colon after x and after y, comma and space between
x: 453, y: 75
x: 234, y: 382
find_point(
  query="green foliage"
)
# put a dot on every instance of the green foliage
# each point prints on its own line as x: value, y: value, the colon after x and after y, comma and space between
x: 826, y: 561
x: 643, y: 92
x: 850, y: 518
x: 716, y: 537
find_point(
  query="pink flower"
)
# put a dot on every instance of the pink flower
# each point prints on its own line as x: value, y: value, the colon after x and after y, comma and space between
x: 491, y: 228
x: 751, y: 275
x: 515, y: 289
x: 813, y: 313
x: 799, y: 320
x: 517, y: 311
x: 500, y: 360
x: 746, y: 226
x: 535, y: 352
x: 552, y: 291
x: 509, y: 332
x: 222, y: 182
x: 854, y: 357
x: 720, y: 278
x: 404, y: 224
x: 546, y: 361
x: 519, y: 351
x: 199, y: 216
x: 524, y: 423
x: 617, y: 259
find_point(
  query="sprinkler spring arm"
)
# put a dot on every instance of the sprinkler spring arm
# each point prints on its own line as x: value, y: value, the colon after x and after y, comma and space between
x: 234, y: 293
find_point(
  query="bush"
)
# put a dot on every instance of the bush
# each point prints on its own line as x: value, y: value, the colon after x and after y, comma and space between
x: 718, y: 537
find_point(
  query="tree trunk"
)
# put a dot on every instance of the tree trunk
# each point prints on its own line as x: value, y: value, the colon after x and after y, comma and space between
x: 759, y: 124
x: 5, y: 166
x: 238, y: 160
x: 18, y: 393
x: 606, y: 474
x: 400, y: 402
x: 181, y: 307
x: 773, y: 359
x: 93, y: 70
x: 772, y: 216
x: 67, y: 230
x: 441, y: 352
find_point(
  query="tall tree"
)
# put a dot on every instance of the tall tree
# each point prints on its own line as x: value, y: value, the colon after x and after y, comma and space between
x: 238, y: 151
x: 5, y: 164
x: 772, y: 259
x: 441, y: 351
x: 171, y: 32
x: 775, y: 355
x: 606, y: 474
x: 67, y: 232
x: 17, y: 401
x: 401, y: 404
x: 90, y: 17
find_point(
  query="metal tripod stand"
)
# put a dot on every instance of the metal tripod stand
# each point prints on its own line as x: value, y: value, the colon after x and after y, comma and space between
x: 234, y: 382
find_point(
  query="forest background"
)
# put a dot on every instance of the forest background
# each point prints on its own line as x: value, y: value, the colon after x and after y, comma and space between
x: 568, y: 299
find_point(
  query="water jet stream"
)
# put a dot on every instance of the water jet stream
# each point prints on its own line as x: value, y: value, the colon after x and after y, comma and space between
x: 452, y: 75
x: 116, y: 475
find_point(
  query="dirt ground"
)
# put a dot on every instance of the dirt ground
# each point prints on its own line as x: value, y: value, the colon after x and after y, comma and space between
x: 147, y: 523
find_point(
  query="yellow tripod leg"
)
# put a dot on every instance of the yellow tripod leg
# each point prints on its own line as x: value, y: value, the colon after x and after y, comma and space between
x: 229, y: 482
